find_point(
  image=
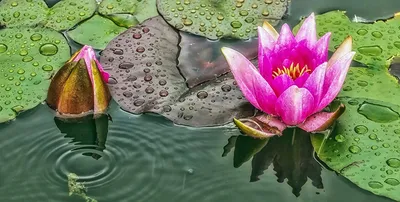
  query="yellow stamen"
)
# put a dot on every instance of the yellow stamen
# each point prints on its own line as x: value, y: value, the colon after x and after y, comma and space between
x: 293, y: 71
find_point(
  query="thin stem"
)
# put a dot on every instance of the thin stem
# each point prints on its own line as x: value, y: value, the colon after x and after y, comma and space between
x: 293, y: 136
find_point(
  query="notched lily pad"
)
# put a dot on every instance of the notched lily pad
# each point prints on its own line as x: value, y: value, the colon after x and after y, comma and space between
x: 201, y: 59
x: 145, y: 78
x: 96, y: 32
x: 28, y: 58
x: 22, y: 13
x: 374, y: 42
x: 217, y: 19
x: 364, y: 146
x: 141, y: 10
x: 67, y: 13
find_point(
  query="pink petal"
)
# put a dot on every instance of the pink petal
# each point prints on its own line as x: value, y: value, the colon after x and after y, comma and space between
x: 254, y: 87
x: 322, y: 120
x: 343, y: 49
x: 105, y: 75
x: 281, y: 83
x: 265, y: 39
x: 334, y: 78
x: 294, y: 105
x: 315, y: 82
x: 266, y: 43
x: 286, y: 39
x: 321, y: 49
x: 308, y: 31
x: 301, y: 80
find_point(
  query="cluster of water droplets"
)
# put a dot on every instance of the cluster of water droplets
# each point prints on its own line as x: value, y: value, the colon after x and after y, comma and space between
x: 366, y: 146
x: 66, y: 14
x: 29, y: 57
x: 375, y: 43
x: 213, y: 19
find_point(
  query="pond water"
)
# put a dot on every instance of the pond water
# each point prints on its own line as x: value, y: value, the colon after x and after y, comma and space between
x: 148, y: 158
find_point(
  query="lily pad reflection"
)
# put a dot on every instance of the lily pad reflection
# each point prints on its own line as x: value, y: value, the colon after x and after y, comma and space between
x: 290, y: 155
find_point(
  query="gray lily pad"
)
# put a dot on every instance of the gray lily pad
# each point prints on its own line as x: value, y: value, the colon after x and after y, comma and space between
x: 67, y: 13
x: 96, y: 32
x: 28, y: 58
x: 145, y: 78
x: 201, y: 59
x: 64, y: 15
x: 22, y: 13
x: 140, y: 10
x: 217, y: 19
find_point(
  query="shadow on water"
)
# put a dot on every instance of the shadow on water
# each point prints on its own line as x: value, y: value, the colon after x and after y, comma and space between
x: 87, y: 131
x: 290, y: 155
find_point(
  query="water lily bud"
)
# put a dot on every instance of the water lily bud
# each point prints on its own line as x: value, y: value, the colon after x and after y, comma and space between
x: 80, y: 86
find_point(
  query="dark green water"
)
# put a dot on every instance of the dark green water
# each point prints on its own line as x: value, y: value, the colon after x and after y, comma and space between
x: 147, y: 158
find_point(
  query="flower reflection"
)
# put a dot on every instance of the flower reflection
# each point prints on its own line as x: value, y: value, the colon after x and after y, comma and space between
x: 86, y: 131
x: 290, y: 155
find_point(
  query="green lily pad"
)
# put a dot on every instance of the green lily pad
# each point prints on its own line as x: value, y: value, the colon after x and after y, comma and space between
x: 374, y: 43
x: 102, y: 31
x: 28, y: 58
x: 22, y: 13
x: 217, y: 19
x: 64, y: 15
x: 364, y: 146
x: 67, y: 13
x: 139, y: 10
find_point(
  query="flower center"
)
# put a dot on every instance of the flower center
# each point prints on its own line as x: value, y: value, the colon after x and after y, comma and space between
x: 293, y: 71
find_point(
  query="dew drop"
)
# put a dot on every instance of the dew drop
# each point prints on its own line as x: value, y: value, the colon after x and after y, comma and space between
x: 354, y: 149
x: 138, y: 102
x: 47, y: 68
x: 163, y: 93
x: 125, y: 65
x: 362, y: 32
x: 167, y: 108
x: 202, y: 94
x: 127, y: 94
x: 48, y: 49
x: 137, y: 36
x: 377, y: 34
x: 149, y: 90
x: 375, y: 184
x: 392, y: 181
x: 118, y: 52
x: 162, y: 82
x: 36, y: 37
x: 3, y: 47
x: 340, y: 138
x: 112, y: 80
x: 140, y: 49
x: 148, y: 77
x: 226, y: 88
x: 370, y: 50
x: 236, y: 24
x: 378, y: 113
x: 393, y: 162
x: 361, y: 129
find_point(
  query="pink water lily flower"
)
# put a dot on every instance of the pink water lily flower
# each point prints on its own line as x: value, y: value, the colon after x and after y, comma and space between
x: 294, y: 81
